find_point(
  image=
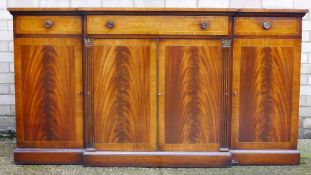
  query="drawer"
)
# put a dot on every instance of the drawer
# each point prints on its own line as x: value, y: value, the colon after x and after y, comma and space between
x: 166, y: 25
x: 266, y: 26
x: 48, y: 25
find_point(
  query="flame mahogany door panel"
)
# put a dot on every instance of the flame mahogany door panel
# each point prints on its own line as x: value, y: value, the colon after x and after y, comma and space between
x: 190, y: 94
x: 266, y: 82
x: 48, y: 84
x: 124, y: 94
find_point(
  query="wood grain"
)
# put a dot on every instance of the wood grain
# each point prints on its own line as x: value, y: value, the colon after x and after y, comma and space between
x: 157, y: 159
x: 279, y: 26
x: 35, y: 25
x: 123, y: 73
x: 266, y: 157
x: 165, y: 25
x: 26, y: 156
x: 265, y: 100
x: 191, y: 82
x: 48, y: 81
x: 265, y: 107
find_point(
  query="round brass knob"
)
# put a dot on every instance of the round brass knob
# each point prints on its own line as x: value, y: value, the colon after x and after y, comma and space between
x: 110, y: 24
x: 266, y: 25
x: 204, y: 25
x: 48, y: 23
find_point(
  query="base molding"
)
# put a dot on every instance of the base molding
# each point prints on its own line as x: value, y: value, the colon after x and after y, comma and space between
x: 48, y: 156
x: 265, y: 157
x: 157, y: 159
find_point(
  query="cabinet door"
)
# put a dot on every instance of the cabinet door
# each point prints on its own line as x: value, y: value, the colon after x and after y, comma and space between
x: 266, y: 87
x: 124, y: 94
x: 190, y: 94
x: 48, y: 81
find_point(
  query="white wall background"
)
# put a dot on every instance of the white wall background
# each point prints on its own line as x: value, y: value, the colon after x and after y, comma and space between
x: 7, y: 99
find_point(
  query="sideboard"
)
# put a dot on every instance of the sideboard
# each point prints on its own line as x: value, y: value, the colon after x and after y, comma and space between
x: 157, y: 87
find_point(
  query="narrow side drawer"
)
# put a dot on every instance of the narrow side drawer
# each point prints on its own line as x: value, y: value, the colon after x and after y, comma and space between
x: 48, y: 25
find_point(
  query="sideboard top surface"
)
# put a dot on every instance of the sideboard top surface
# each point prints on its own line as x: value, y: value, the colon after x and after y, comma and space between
x: 232, y: 11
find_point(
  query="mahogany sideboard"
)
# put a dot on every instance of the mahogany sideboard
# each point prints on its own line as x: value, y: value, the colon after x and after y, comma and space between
x: 157, y: 87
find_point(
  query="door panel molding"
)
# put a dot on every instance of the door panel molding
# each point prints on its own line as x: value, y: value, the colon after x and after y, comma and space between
x: 48, y: 85
x: 124, y: 94
x: 270, y: 95
x: 191, y: 105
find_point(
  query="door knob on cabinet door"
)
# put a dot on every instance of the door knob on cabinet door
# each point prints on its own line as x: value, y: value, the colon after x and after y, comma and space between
x: 235, y: 93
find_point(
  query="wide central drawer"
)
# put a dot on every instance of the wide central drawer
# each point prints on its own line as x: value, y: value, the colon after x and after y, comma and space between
x: 165, y: 25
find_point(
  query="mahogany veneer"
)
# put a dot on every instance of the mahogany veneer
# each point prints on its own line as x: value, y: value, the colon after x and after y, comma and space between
x: 157, y: 87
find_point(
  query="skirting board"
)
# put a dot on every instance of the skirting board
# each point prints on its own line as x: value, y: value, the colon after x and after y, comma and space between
x: 265, y: 157
x: 48, y: 156
x: 157, y: 159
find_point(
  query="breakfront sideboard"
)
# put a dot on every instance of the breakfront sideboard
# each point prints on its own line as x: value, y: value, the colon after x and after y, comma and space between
x: 157, y: 87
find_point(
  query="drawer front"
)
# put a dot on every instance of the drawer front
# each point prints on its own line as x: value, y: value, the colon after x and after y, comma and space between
x: 48, y: 25
x: 266, y: 26
x: 166, y: 25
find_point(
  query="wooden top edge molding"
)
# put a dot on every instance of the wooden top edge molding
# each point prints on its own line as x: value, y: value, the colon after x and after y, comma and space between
x: 41, y: 9
x: 161, y: 9
x: 236, y: 11
x: 262, y: 10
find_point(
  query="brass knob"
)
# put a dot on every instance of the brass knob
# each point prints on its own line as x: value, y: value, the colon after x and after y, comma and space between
x: 204, y: 25
x: 48, y: 23
x: 266, y: 25
x: 110, y: 24
x: 235, y: 93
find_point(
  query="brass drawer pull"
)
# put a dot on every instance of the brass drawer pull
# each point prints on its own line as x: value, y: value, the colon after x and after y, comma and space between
x: 266, y: 25
x: 204, y: 25
x: 110, y: 24
x: 48, y: 23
